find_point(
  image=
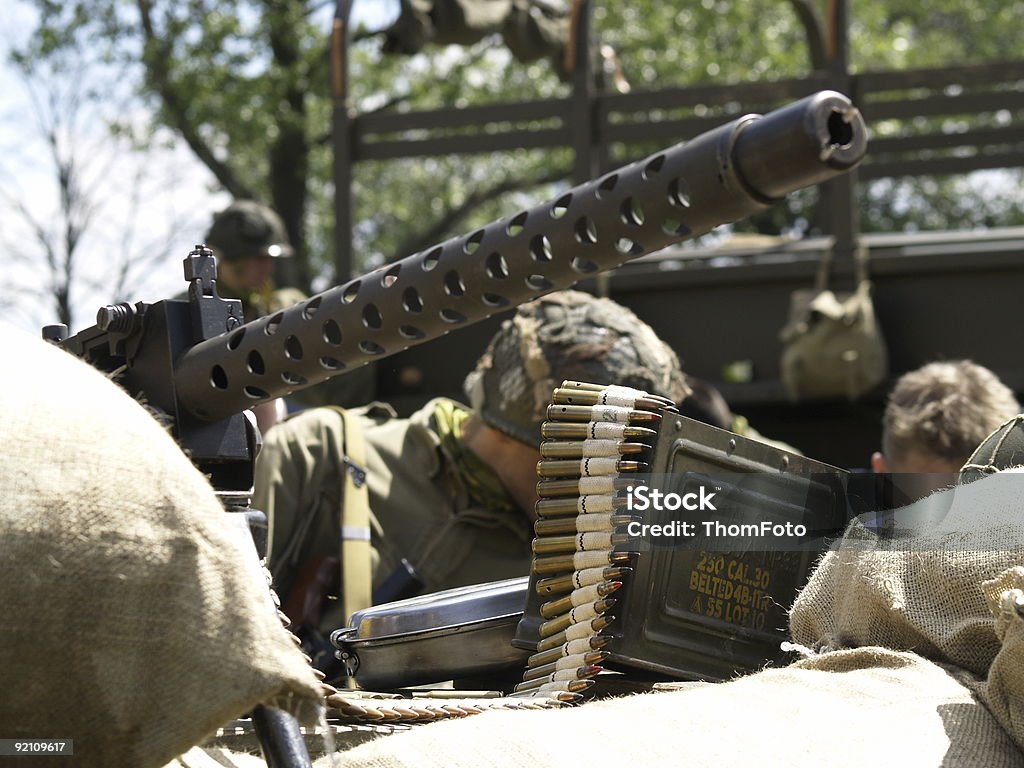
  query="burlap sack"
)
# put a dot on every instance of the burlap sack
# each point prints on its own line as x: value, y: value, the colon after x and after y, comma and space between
x: 917, y: 584
x: 948, y: 585
x: 216, y: 757
x: 1003, y: 689
x: 132, y: 622
x: 883, y: 708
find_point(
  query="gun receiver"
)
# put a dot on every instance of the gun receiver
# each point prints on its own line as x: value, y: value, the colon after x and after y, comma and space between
x: 721, y: 176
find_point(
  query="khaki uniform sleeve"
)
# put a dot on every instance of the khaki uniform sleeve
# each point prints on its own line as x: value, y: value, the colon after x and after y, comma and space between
x: 416, y: 511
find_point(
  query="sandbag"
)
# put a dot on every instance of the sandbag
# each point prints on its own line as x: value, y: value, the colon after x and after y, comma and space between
x: 915, y: 583
x: 1003, y: 689
x: 944, y: 580
x: 216, y: 757
x: 133, y: 621
x: 883, y: 708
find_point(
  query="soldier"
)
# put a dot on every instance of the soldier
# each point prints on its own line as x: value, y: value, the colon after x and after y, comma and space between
x: 451, y: 489
x: 934, y: 419
x: 247, y: 238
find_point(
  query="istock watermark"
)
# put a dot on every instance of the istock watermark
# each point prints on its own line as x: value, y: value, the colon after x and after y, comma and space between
x: 728, y: 512
x: 785, y: 512
x: 640, y: 498
x: 716, y: 528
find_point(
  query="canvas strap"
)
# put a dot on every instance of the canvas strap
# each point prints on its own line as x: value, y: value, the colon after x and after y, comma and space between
x: 355, y: 553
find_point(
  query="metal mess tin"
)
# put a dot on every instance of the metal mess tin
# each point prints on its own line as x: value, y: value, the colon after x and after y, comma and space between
x: 457, y: 633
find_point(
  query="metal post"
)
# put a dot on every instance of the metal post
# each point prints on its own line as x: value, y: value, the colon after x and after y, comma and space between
x: 341, y: 121
x: 582, y: 107
x: 583, y: 127
x: 838, y: 198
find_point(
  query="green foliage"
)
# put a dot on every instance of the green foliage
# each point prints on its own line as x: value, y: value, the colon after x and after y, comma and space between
x: 989, y: 199
x: 663, y: 44
x: 940, y: 33
x: 252, y: 79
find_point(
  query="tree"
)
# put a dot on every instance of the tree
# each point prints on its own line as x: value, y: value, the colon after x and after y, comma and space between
x: 92, y: 200
x: 244, y: 82
x: 74, y: 194
x: 56, y: 236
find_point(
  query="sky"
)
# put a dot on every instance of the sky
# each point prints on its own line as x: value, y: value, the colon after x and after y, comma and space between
x: 151, y: 206
x: 149, y: 209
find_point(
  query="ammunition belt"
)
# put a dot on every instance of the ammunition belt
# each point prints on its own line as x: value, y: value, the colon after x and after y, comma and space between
x: 596, y: 439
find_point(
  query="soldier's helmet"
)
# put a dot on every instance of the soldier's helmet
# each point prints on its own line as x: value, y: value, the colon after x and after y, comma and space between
x: 566, y: 335
x: 1002, y: 449
x: 247, y: 229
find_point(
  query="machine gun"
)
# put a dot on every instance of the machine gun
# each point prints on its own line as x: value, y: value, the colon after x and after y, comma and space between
x: 198, y: 364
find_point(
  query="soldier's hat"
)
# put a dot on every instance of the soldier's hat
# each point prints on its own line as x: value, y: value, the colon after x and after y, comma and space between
x: 248, y: 229
x: 566, y: 335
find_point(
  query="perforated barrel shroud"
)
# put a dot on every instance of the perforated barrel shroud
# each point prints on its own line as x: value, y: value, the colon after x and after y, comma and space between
x: 682, y: 192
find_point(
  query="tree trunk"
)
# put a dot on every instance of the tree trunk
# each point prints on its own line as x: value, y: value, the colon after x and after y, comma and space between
x: 289, y: 154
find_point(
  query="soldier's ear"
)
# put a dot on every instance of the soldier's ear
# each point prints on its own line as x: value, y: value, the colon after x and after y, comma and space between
x: 878, y: 463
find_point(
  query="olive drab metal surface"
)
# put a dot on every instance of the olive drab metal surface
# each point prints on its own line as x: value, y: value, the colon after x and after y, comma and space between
x: 700, y: 604
x: 706, y: 611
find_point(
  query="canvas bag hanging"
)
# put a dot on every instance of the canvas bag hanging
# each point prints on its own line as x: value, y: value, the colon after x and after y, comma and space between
x: 832, y: 344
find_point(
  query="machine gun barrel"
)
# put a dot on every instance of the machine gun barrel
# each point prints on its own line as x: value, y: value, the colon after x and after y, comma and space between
x: 679, y: 193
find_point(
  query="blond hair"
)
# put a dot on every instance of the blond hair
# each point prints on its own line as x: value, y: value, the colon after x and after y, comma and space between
x: 945, y: 410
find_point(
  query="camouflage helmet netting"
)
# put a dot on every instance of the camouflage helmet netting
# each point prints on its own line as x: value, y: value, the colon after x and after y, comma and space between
x: 1003, y: 449
x: 246, y: 228
x: 566, y: 335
